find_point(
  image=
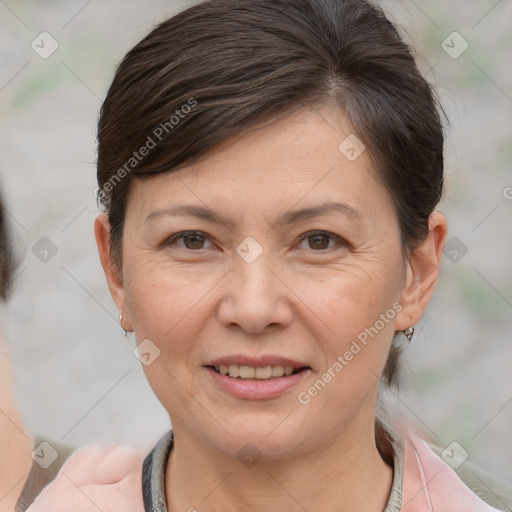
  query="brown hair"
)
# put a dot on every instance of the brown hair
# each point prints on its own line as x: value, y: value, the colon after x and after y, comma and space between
x: 6, y: 260
x: 224, y: 66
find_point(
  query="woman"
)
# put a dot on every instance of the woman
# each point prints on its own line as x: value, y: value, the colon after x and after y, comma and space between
x: 270, y: 171
x: 16, y: 444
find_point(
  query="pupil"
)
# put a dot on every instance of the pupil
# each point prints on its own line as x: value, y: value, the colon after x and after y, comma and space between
x: 196, y: 239
x: 319, y: 245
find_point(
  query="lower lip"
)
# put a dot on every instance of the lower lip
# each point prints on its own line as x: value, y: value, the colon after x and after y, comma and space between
x: 257, y: 389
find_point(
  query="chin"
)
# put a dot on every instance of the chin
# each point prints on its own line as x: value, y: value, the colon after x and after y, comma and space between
x: 255, y: 437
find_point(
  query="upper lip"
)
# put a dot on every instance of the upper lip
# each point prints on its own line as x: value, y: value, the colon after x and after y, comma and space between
x: 262, y: 361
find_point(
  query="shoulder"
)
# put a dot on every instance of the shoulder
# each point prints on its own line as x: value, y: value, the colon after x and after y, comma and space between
x: 102, y: 464
x: 492, y: 490
x: 96, y: 476
x: 458, y: 485
x: 48, y: 457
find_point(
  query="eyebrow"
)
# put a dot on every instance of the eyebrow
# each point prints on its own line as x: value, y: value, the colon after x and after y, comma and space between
x: 290, y: 217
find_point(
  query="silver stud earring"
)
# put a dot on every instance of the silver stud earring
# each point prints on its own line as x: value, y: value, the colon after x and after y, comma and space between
x: 409, y: 333
x: 121, y: 324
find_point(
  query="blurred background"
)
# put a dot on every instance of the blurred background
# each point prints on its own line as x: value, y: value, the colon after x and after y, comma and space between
x: 77, y: 378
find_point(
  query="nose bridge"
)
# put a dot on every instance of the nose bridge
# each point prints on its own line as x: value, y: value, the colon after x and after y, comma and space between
x: 252, y: 270
x: 255, y: 296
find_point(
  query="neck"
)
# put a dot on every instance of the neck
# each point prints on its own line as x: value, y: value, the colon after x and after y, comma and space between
x: 16, y: 444
x: 345, y: 472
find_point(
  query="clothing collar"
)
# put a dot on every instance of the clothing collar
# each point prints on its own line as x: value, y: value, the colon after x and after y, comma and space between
x: 153, y: 472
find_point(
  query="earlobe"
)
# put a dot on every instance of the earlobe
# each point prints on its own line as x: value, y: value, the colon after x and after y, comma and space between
x: 422, y: 273
x: 112, y: 272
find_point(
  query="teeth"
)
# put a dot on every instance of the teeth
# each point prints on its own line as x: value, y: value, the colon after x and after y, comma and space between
x: 251, y: 372
x: 277, y: 371
x: 263, y: 372
x: 234, y: 370
x: 247, y: 372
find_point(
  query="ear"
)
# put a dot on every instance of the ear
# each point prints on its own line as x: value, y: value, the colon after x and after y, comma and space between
x: 422, y: 273
x: 112, y: 272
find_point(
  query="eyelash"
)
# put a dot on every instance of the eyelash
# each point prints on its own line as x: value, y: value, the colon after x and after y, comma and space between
x: 310, y: 234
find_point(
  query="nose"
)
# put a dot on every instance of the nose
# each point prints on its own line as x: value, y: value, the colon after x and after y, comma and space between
x: 255, y: 297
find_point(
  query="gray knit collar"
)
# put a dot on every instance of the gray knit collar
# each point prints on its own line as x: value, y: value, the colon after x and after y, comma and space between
x: 153, y: 474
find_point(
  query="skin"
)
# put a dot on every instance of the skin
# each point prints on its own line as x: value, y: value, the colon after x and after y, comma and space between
x: 304, y: 298
x: 95, y: 478
x: 16, y: 444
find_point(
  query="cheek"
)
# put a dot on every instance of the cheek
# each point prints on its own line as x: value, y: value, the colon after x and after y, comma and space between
x: 355, y: 336
x: 350, y: 299
x: 172, y: 305
x: 168, y: 308
x: 166, y: 303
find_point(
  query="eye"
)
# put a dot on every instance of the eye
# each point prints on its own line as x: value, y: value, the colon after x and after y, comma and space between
x: 195, y: 240
x: 319, y: 240
x: 192, y: 240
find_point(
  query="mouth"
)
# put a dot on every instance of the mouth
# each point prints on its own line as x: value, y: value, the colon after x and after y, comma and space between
x: 256, y: 373
x: 256, y: 378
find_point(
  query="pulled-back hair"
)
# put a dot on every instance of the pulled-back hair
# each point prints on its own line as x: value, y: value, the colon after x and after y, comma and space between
x: 224, y: 66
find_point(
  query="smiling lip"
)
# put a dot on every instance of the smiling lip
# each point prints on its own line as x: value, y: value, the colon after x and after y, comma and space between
x: 256, y: 389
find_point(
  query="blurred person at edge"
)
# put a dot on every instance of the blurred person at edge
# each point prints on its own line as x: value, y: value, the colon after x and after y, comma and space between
x: 116, y: 470
x: 16, y: 444
x: 269, y: 172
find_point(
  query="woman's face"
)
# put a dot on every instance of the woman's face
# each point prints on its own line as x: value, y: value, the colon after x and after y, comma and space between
x: 304, y: 270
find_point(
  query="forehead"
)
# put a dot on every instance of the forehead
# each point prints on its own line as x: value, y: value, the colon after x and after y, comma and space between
x: 300, y: 145
x: 297, y: 158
